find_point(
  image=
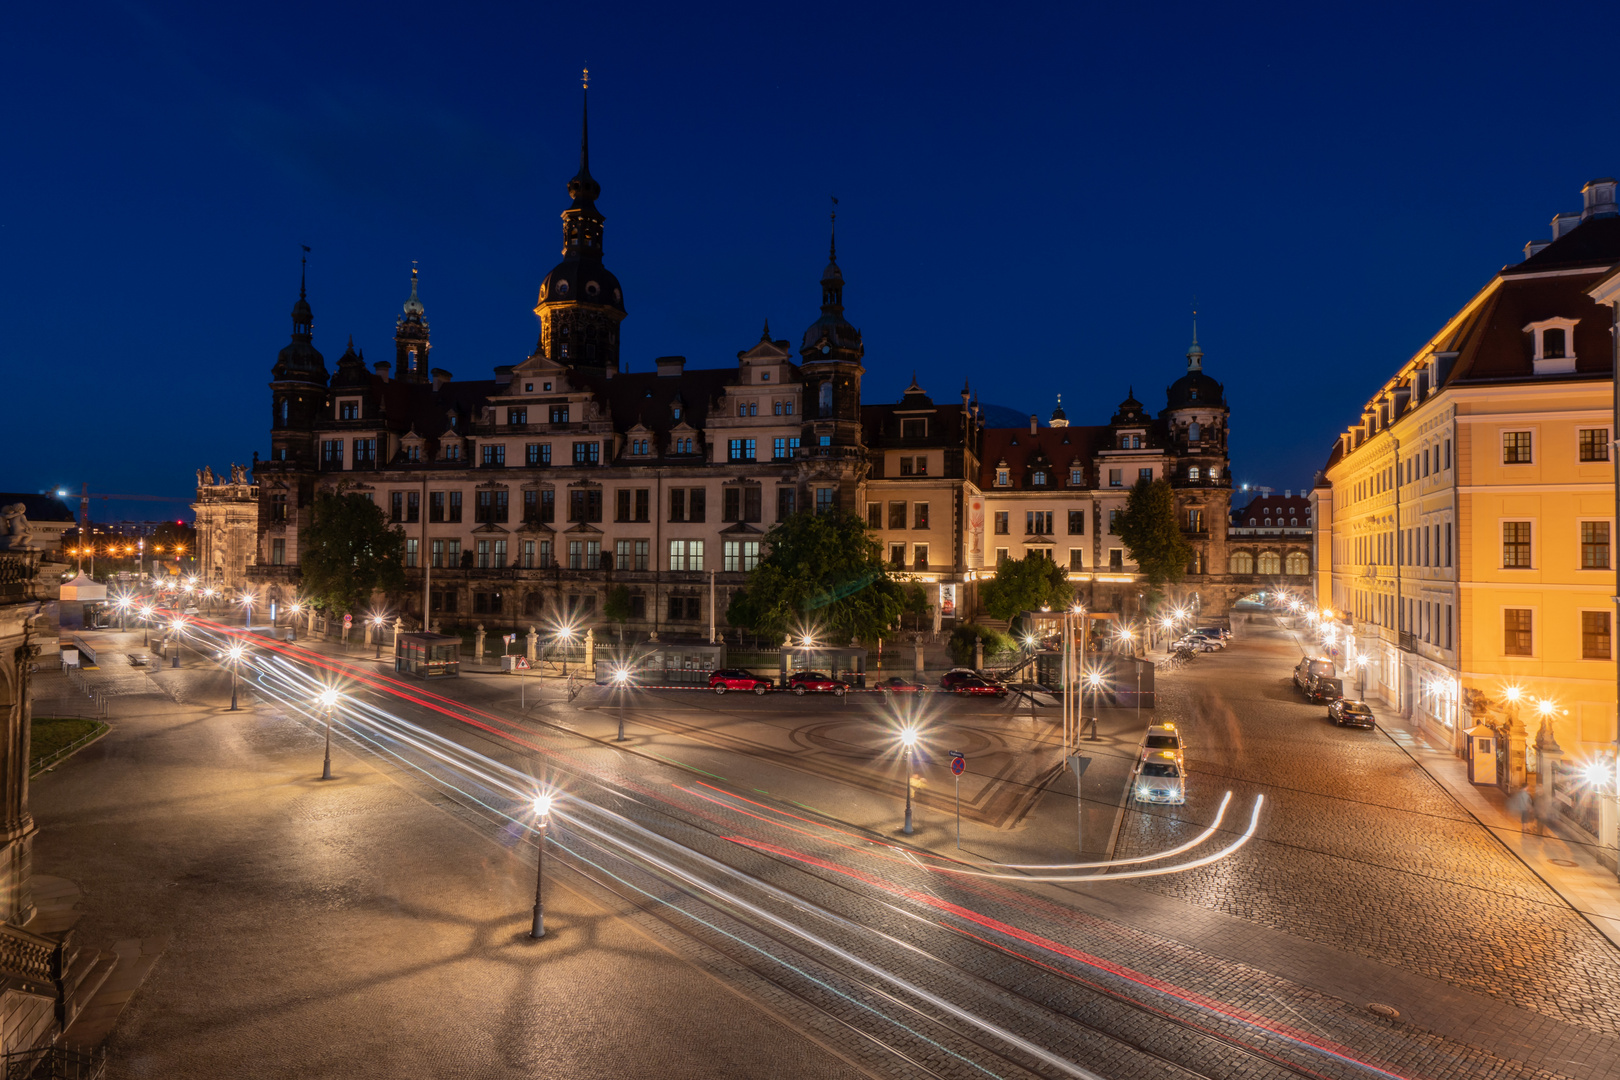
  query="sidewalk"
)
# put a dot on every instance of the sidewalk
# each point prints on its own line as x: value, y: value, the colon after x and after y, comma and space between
x: 1568, y: 868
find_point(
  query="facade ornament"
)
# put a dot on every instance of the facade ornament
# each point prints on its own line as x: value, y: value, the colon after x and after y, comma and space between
x: 14, y: 528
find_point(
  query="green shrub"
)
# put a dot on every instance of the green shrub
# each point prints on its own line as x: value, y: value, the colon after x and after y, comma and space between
x: 963, y: 637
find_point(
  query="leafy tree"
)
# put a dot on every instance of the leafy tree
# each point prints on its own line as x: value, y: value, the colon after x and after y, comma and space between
x: 963, y: 637
x: 1152, y: 534
x: 1026, y: 584
x: 914, y: 599
x: 822, y: 574
x: 616, y: 606
x: 350, y: 553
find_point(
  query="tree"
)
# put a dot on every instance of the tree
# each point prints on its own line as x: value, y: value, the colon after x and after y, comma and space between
x: 823, y: 575
x: 350, y: 553
x: 1026, y: 584
x: 616, y: 606
x: 915, y: 602
x: 1152, y: 534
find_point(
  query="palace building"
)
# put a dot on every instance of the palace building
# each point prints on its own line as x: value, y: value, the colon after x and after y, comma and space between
x: 525, y: 496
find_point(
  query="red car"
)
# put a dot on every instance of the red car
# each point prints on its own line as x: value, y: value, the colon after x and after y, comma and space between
x: 737, y: 679
x: 802, y: 682
x: 977, y: 687
x: 895, y: 684
x: 951, y: 678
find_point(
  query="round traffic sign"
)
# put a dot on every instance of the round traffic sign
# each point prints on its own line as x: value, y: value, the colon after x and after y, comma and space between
x: 958, y: 765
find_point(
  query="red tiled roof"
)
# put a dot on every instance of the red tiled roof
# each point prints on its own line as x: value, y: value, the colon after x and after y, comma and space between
x: 1064, y: 448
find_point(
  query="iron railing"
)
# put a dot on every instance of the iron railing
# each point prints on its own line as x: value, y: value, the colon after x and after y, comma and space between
x: 55, y: 1063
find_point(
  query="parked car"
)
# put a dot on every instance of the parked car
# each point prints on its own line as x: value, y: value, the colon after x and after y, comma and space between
x: 803, y: 682
x: 1348, y: 712
x: 1218, y: 631
x: 1310, y: 667
x: 1160, y: 779
x: 896, y: 684
x: 1325, y: 688
x: 949, y: 680
x: 1198, y: 643
x: 1210, y: 634
x: 974, y: 686
x: 1161, y: 738
x: 725, y: 679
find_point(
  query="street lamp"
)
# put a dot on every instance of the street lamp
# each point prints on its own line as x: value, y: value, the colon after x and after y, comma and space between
x: 621, y: 679
x: 146, y: 624
x: 565, y: 634
x: 542, y: 811
x: 123, y: 612
x: 376, y: 633
x: 178, y: 627
x: 247, y: 609
x: 235, y: 653
x: 1361, y: 676
x: 328, y: 698
x: 1094, y: 681
x: 908, y: 739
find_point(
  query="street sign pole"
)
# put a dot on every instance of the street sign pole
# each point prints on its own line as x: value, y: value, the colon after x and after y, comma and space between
x: 958, y: 766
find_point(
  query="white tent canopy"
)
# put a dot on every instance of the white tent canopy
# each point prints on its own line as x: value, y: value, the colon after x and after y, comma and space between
x: 83, y: 588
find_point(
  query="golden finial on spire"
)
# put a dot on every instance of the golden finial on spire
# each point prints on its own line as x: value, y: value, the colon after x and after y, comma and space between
x: 585, y: 79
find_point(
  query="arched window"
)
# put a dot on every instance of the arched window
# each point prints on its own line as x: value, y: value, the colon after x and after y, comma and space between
x: 1293, y: 521
x: 1038, y: 478
x: 826, y: 399
x: 1251, y: 521
x: 1270, y: 563
x: 1268, y: 522
x: 1192, y: 472
x: 1299, y: 564
x: 1192, y: 431
x: 1240, y: 562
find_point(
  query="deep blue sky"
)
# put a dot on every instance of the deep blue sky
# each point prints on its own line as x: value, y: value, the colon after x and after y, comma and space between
x: 1030, y: 197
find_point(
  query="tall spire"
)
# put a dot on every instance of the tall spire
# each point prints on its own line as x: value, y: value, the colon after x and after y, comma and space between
x: 832, y: 243
x: 413, y: 306
x: 1195, y: 355
x: 765, y: 335
x: 583, y: 188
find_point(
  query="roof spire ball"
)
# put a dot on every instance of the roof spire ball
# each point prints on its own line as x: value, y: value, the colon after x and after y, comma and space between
x: 583, y: 188
x: 1059, y: 417
x: 413, y: 306
x: 1195, y: 355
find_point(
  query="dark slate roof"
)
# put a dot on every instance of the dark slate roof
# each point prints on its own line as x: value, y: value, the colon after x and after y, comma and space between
x: 1180, y: 393
x: 1064, y: 448
x: 1491, y: 343
x: 1273, y: 506
x: 39, y: 507
x: 1594, y: 242
x: 644, y: 397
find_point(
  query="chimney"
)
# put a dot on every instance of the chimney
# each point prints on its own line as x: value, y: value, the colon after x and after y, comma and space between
x: 1034, y: 424
x: 381, y: 368
x: 1534, y: 246
x: 440, y: 377
x: 1598, y: 199
x: 1562, y: 224
x: 1289, y: 493
x: 670, y: 366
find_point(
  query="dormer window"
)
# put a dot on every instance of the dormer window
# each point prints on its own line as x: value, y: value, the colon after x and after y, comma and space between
x: 452, y: 421
x: 1192, y: 393
x: 1038, y: 478
x: 1553, y: 345
x: 349, y: 410
x: 675, y: 411
x: 1003, y: 478
x: 1077, y: 478
x: 914, y: 429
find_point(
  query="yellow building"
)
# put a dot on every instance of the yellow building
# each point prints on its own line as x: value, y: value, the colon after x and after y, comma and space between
x: 1465, y: 525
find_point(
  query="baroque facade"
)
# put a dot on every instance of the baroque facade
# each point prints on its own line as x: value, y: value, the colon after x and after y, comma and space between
x: 227, y: 523
x: 525, y: 497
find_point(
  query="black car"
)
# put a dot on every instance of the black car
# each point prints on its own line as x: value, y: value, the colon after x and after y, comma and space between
x: 1347, y: 712
x: 1324, y: 688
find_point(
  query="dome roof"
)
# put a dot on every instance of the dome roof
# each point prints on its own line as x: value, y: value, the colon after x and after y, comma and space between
x: 1196, y: 390
x: 582, y: 281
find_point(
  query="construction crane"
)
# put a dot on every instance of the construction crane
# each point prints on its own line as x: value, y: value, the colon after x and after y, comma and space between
x: 85, y: 495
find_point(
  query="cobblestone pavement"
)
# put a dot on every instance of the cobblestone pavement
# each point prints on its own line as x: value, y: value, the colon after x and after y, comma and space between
x: 1360, y: 849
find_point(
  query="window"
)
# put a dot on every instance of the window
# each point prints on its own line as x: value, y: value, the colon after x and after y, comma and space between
x: 455, y: 506
x: 1077, y: 477
x: 905, y: 465
x: 826, y: 500
x: 1147, y: 474
x: 1516, y: 639
x: 686, y: 504
x: 741, y: 555
x: 559, y: 414
x: 1594, y: 545
x: 1192, y: 473
x: 1594, y: 635
x: 874, y: 515
x: 1113, y: 522
x: 1038, y: 522
x: 1269, y: 562
x: 396, y: 506
x: 919, y: 556
x: 682, y: 446
x: 1001, y: 523
x: 278, y: 509
x: 1552, y: 344
x: 278, y: 553
x: 622, y: 555
x: 787, y: 501
x: 897, y: 514
x: 452, y: 452
x: 528, y: 554
x: 585, y: 504
x: 444, y: 600
x: 483, y: 554
x: 1037, y: 478
x: 1116, y: 559
x: 517, y: 416
x: 486, y: 603
x: 740, y: 450
x: 779, y: 449
x: 1003, y: 479
x: 1515, y: 545
x: 332, y: 453
x: 1594, y: 444
x: 1195, y: 520
x: 1116, y: 477
x: 897, y: 556
x: 587, y: 453
x: 348, y: 410
x: 686, y: 554
x: 919, y: 515
x: 1516, y: 448
x: 435, y: 506
x: 914, y: 428
x: 365, y: 453
x: 494, y: 454
x: 1077, y: 523
x: 685, y: 608
x: 531, y: 454
x: 540, y: 506
x: 1077, y: 559
x: 413, y: 506
x: 1240, y: 562
x: 1298, y: 564
x: 1001, y: 556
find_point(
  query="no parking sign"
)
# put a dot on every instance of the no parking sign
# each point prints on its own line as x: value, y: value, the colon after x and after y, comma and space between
x: 958, y: 763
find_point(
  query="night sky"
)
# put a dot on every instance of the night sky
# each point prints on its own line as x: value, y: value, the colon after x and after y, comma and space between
x: 1030, y: 197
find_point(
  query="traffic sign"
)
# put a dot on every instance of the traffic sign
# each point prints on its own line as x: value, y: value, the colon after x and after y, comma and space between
x: 958, y: 763
x: 348, y: 621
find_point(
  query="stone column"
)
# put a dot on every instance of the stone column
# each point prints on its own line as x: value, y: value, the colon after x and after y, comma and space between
x: 978, y: 654
x: 370, y: 629
x: 590, y: 652
x: 917, y: 658
x: 1516, y: 739
x: 532, y: 642
x: 399, y: 628
x: 478, y: 643
x: 309, y: 629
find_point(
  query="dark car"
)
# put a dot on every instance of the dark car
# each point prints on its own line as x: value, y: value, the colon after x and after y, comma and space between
x: 1309, y: 667
x: 1347, y: 712
x: 896, y: 684
x: 803, y: 682
x: 949, y: 680
x: 1325, y: 688
x: 725, y: 679
x: 977, y: 687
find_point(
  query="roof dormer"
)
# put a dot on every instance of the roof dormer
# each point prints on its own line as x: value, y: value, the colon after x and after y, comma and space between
x: 1552, y: 342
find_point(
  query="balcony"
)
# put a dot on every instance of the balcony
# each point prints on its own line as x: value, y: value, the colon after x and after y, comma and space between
x: 1407, y: 641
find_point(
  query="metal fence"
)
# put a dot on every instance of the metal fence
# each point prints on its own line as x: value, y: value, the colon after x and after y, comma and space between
x: 55, y: 1063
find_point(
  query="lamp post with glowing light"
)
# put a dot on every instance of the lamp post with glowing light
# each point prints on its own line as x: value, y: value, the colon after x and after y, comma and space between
x: 123, y: 612
x: 328, y: 698
x: 1361, y: 676
x: 1126, y: 636
x: 542, y: 811
x: 177, y: 627
x: 1516, y: 739
x: 621, y: 679
x: 146, y: 624
x: 908, y: 740
x: 235, y: 653
x: 376, y: 633
x: 1094, y: 683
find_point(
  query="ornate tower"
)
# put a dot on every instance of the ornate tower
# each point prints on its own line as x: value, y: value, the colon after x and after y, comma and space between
x: 831, y: 364
x: 581, y: 304
x: 1195, y: 423
x: 297, y: 386
x: 411, y: 344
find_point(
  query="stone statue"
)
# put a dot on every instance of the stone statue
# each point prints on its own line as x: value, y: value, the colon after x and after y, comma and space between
x: 199, y: 478
x: 237, y: 474
x: 208, y: 475
x: 14, y: 528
